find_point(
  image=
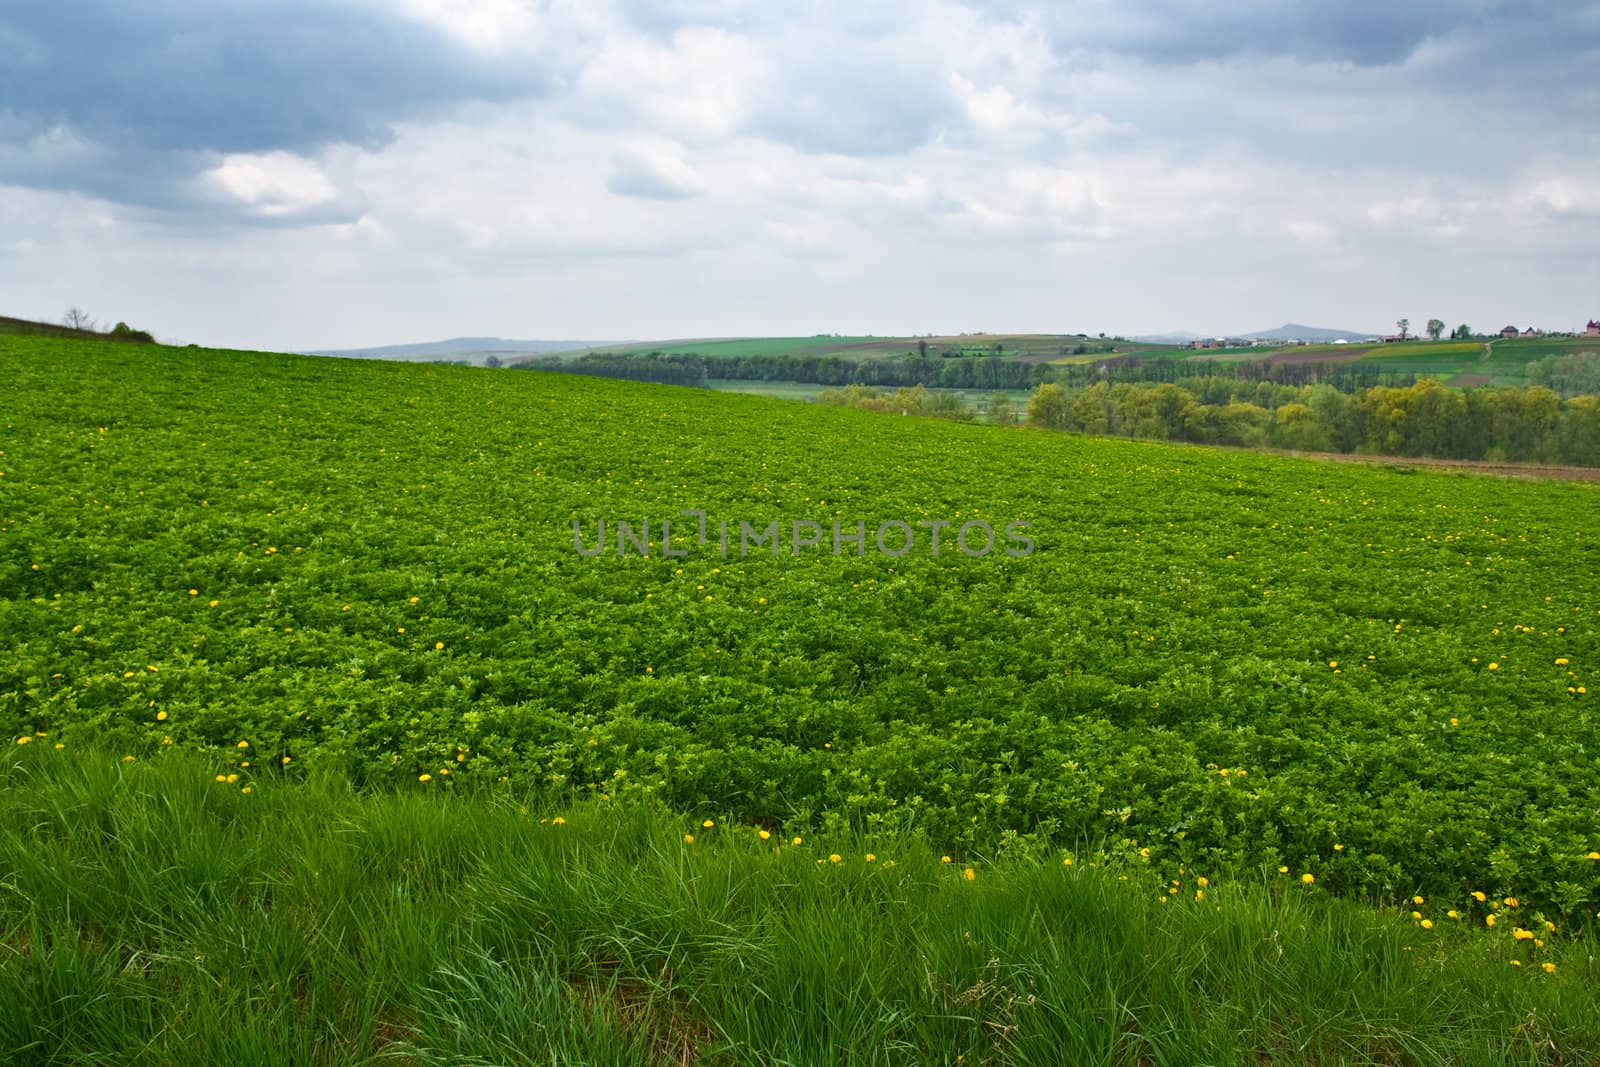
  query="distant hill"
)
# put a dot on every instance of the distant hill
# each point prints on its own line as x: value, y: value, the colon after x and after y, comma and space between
x: 473, y: 349
x: 1293, y: 331
x: 1177, y: 337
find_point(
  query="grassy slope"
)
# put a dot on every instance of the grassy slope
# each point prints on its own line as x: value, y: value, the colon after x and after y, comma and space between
x: 28, y: 328
x: 389, y: 550
x: 151, y: 914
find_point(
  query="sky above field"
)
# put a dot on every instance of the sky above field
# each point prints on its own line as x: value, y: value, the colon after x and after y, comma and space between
x: 322, y: 173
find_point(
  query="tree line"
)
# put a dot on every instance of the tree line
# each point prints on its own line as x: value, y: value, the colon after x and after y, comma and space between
x: 1424, y: 419
x: 985, y: 372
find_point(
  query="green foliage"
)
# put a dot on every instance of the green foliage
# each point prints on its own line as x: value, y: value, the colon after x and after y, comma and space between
x: 153, y: 914
x: 123, y: 332
x: 913, y: 401
x: 384, y: 583
x: 1424, y: 419
x: 1573, y: 374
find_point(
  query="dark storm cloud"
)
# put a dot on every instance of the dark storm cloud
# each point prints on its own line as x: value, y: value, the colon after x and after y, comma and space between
x: 154, y: 88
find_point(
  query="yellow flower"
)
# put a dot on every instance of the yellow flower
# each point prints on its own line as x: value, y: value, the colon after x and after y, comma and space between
x: 413, y: 600
x: 222, y: 777
x: 970, y: 875
x: 424, y: 777
x: 797, y: 840
x: 194, y: 592
x: 1477, y: 894
x: 1065, y: 863
x: 1202, y: 882
x: 1417, y: 900
x: 1494, y: 666
x: 558, y: 821
x: 763, y: 834
x: 1416, y: 915
x: 161, y: 716
x: 1427, y: 924
x: 1511, y: 902
x: 1516, y: 963
x: 708, y: 824
x: 1549, y: 968
x: 761, y: 600
x: 212, y: 603
x: 944, y: 859
x: 1338, y: 848
x: 246, y: 789
x: 1453, y: 913
x: 1333, y: 663
x: 1199, y: 894
x: 1561, y: 662
x: 232, y: 778
x: 688, y: 839
x: 1308, y: 878
x: 834, y: 857
x: 1283, y: 870
x: 1488, y: 920
x: 1594, y: 855
x: 1145, y: 853
x: 242, y: 744
x: 438, y: 646
x: 23, y: 740
x: 869, y: 857
x: 1520, y: 934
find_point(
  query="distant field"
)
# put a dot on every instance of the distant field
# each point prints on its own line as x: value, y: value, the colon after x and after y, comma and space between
x: 781, y: 390
x: 1031, y: 347
x: 1446, y: 360
x: 810, y: 391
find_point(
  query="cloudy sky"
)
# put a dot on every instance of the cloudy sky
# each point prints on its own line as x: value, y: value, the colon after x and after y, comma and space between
x: 320, y: 173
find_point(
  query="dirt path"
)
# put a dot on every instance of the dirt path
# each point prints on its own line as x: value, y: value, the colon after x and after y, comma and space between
x: 1470, y: 466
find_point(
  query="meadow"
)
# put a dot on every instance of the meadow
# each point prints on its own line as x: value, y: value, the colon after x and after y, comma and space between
x: 252, y: 573
x: 151, y: 915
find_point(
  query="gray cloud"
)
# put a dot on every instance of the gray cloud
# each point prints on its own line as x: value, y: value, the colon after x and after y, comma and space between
x: 853, y: 98
x: 149, y: 93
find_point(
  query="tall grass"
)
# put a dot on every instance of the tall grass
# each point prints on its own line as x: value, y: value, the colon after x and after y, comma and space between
x: 150, y: 914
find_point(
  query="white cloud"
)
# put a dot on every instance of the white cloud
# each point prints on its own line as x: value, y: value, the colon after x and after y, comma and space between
x: 654, y: 175
x: 272, y: 184
x: 837, y: 166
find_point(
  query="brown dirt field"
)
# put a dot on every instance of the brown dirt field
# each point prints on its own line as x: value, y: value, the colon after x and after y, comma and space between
x: 1464, y: 380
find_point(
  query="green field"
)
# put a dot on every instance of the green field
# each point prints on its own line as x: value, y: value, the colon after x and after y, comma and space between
x: 384, y: 577
x: 302, y: 574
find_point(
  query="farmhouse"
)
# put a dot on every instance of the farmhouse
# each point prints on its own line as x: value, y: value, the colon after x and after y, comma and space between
x: 1531, y: 332
x: 1593, y: 329
x: 1508, y: 332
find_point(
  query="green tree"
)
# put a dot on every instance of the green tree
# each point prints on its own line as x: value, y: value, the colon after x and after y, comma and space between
x: 1000, y: 409
x: 1404, y: 326
x: 1462, y: 333
x: 1047, y: 408
x: 1435, y: 328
